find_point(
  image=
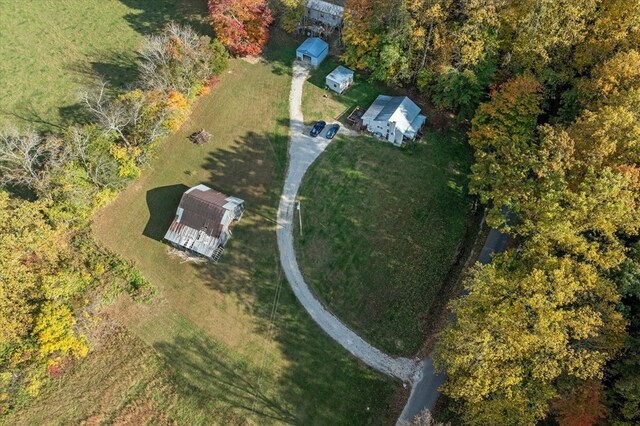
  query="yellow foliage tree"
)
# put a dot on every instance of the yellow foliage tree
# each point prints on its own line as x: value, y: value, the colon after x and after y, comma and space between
x: 54, y: 332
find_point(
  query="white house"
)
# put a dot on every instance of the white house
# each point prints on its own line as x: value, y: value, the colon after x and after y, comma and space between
x: 324, y: 12
x: 339, y: 79
x: 203, y: 221
x: 394, y: 118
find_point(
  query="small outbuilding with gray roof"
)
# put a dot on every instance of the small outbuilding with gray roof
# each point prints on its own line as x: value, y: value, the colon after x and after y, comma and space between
x: 312, y: 50
x: 394, y: 118
x: 203, y: 221
x: 324, y: 12
x: 339, y: 79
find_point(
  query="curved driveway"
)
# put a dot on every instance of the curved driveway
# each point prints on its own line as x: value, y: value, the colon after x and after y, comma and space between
x: 303, y: 151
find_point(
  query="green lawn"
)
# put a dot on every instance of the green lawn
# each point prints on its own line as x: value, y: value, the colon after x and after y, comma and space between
x: 381, y: 229
x: 212, y: 323
x: 319, y: 103
x: 50, y: 49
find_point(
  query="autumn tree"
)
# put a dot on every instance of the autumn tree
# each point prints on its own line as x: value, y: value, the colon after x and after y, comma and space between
x: 241, y: 25
x: 292, y: 13
x: 362, y: 34
x: 580, y: 404
x: 137, y: 117
x: 525, y: 323
x: 503, y: 137
x: 179, y: 60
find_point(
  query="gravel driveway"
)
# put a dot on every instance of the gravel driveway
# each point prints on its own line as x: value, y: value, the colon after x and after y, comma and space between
x: 303, y: 151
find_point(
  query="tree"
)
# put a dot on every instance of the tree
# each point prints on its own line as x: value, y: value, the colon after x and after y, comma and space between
x: 525, y: 323
x: 26, y: 160
x: 614, y: 28
x: 361, y: 34
x: 241, y: 25
x: 179, y: 60
x: 462, y: 90
x: 580, y: 405
x: 136, y: 117
x: 292, y: 14
x: 503, y: 136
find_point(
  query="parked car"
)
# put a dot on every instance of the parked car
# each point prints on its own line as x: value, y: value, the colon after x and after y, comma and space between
x: 317, y: 128
x: 332, y: 130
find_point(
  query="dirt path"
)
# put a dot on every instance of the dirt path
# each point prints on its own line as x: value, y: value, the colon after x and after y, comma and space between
x: 303, y: 151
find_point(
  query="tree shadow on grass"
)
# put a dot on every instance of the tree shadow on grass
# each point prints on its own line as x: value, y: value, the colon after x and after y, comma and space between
x: 150, y: 16
x: 326, y: 384
x: 27, y: 113
x: 162, y: 203
x: 210, y: 375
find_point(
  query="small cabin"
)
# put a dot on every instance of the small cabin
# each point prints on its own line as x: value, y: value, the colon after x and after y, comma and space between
x: 339, y: 79
x: 204, y: 221
x: 313, y: 50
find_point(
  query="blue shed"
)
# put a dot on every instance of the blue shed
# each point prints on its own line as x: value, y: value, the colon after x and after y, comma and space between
x: 313, y: 50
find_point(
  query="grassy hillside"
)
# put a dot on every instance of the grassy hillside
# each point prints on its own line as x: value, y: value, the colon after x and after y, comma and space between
x: 50, y: 49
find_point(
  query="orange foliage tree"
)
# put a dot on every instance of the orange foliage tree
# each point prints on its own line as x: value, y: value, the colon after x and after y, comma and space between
x: 241, y: 25
x: 582, y: 406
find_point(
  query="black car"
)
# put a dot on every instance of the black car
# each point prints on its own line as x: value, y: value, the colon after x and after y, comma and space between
x: 317, y: 128
x: 332, y: 130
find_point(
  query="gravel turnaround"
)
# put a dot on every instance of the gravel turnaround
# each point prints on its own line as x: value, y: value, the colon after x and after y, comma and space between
x: 303, y: 151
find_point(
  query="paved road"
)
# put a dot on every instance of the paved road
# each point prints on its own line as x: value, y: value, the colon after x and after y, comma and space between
x: 424, y: 393
x: 303, y: 151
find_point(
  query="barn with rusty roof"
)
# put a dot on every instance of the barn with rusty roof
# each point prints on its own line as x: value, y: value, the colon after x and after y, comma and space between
x: 204, y: 221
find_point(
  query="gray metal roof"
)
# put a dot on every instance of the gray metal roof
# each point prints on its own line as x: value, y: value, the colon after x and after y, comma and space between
x: 375, y: 108
x: 398, y: 109
x: 325, y: 7
x: 200, y: 218
x: 313, y: 46
x: 340, y: 74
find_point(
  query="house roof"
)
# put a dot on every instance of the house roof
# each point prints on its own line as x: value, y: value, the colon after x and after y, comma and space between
x: 398, y: 109
x: 416, y: 124
x: 325, y: 7
x: 340, y: 74
x: 374, y: 110
x: 198, y: 221
x: 313, y: 46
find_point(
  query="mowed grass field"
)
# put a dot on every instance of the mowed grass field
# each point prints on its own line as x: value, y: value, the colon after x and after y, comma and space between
x: 381, y: 225
x: 234, y: 335
x: 320, y: 103
x: 51, y: 49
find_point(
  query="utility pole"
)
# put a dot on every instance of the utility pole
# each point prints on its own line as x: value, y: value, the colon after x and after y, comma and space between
x: 300, y: 217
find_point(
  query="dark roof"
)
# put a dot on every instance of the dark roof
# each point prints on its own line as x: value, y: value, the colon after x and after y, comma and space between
x: 203, y: 210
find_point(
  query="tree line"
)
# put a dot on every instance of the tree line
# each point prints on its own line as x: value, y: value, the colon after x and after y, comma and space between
x: 51, y: 270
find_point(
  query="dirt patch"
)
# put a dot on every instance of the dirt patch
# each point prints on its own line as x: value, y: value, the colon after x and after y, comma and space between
x: 253, y: 59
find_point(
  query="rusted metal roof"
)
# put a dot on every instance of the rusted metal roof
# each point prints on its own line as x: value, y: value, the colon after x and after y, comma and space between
x: 201, y: 220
